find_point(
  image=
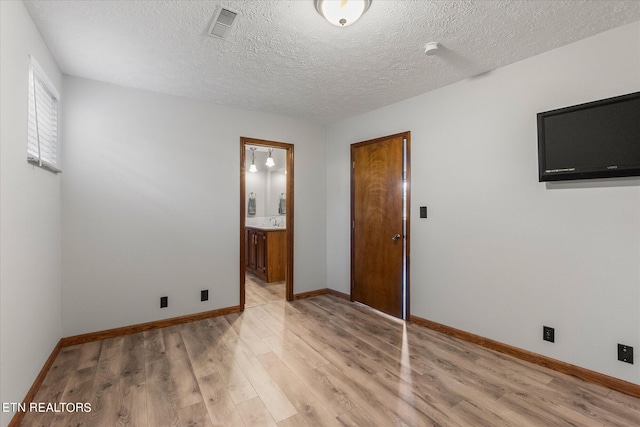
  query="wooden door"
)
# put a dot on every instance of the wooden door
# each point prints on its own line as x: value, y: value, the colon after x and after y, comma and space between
x: 378, y: 252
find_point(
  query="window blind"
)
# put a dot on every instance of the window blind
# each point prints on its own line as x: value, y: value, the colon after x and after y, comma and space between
x: 42, y: 125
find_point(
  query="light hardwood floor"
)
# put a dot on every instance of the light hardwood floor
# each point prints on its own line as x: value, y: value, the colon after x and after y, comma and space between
x: 316, y: 362
x: 259, y: 292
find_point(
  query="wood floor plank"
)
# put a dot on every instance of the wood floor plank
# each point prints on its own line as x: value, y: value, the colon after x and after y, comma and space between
x: 254, y: 300
x: 245, y: 330
x: 195, y: 415
x: 262, y: 316
x: 132, y: 405
x: 132, y: 365
x: 154, y: 348
x: 523, y: 405
x: 623, y: 402
x: 476, y: 416
x: 371, y: 396
x: 218, y: 402
x: 297, y: 323
x: 310, y: 410
x: 200, y: 344
x: 185, y: 386
x: 49, y: 392
x: 596, y: 407
x: 391, y: 341
x: 79, y: 389
x: 314, y: 362
x: 104, y: 401
x: 263, y: 292
x: 162, y: 402
x: 79, y: 386
x: 261, y: 329
x: 64, y: 365
x: 367, y: 357
x: 271, y: 395
x: 221, y: 362
x: 258, y: 292
x: 292, y: 343
x: 89, y: 354
x: 498, y: 364
x: 319, y: 380
x: 431, y: 396
x: 255, y: 414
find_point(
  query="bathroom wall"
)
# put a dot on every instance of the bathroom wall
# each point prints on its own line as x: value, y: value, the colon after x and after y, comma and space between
x: 267, y: 184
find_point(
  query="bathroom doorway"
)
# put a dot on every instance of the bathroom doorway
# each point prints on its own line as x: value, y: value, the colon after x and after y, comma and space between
x: 266, y: 221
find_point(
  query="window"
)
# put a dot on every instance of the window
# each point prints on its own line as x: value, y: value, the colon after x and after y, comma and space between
x: 42, y: 124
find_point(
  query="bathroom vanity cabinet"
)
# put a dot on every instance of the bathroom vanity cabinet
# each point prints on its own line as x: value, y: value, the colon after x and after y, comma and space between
x: 266, y: 253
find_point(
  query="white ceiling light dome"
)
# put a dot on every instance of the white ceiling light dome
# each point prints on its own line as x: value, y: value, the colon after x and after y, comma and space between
x: 431, y: 48
x: 342, y: 13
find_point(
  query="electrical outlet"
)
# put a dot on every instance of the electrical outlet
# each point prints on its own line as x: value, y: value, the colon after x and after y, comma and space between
x: 548, y: 333
x: 164, y: 302
x: 204, y: 295
x: 625, y: 353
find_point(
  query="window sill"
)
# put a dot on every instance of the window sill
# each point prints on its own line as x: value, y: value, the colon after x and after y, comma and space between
x: 44, y: 165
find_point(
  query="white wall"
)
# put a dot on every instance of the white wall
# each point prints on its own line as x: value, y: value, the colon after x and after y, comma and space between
x: 501, y: 254
x: 30, y: 319
x: 151, y: 204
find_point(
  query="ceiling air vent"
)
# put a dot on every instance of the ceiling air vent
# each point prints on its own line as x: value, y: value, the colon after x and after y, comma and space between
x: 223, y: 21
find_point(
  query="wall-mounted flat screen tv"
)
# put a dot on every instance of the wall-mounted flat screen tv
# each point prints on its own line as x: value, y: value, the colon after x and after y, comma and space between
x: 599, y: 139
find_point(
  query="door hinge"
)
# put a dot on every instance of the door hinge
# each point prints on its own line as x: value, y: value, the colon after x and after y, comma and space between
x: 353, y: 164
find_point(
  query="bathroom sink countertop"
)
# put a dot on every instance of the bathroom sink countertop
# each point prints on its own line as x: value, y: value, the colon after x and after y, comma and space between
x: 267, y: 227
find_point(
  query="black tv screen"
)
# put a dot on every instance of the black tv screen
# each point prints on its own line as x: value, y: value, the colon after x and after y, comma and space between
x: 599, y: 139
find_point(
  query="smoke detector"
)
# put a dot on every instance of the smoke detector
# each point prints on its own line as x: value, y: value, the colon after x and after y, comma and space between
x: 224, y: 19
x: 431, y: 48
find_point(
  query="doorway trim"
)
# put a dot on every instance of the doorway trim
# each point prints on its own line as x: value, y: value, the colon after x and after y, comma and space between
x: 288, y: 281
x: 407, y: 214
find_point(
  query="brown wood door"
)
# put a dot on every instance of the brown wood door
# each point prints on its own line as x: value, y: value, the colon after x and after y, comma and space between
x: 377, y: 252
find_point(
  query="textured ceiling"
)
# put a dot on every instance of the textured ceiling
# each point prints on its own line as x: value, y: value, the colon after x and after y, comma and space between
x: 284, y: 58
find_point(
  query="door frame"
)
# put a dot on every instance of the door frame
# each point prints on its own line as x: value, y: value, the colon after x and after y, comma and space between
x: 244, y: 141
x: 407, y: 223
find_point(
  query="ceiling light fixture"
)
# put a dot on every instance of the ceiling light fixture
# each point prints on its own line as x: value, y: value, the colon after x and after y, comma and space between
x: 270, y: 163
x: 342, y: 13
x: 253, y: 168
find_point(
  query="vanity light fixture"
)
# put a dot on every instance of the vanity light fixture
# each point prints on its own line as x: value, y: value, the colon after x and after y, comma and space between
x: 253, y: 168
x: 342, y: 13
x: 270, y: 163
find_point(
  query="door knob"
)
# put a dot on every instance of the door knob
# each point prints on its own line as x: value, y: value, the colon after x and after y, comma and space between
x: 396, y: 237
